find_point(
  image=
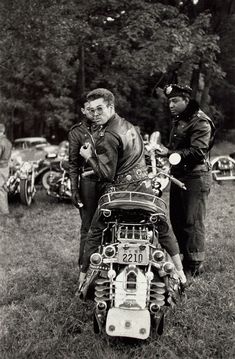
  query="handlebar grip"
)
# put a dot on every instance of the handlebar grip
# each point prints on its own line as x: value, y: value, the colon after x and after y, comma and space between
x: 178, y: 182
x: 87, y: 173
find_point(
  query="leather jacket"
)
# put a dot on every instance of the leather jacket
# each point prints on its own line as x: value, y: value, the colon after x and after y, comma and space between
x: 191, y: 137
x: 119, y: 150
x: 78, y: 135
x: 5, y: 151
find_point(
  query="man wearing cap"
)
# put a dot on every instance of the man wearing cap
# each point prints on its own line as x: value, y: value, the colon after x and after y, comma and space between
x: 192, y: 137
x: 5, y: 153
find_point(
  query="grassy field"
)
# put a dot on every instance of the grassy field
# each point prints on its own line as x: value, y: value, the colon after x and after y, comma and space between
x: 41, y: 318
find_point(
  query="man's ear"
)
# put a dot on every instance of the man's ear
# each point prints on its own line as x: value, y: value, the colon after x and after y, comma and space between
x: 83, y: 111
x: 187, y: 99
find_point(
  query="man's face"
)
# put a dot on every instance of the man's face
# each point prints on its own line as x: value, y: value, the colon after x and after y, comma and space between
x: 86, y: 111
x: 177, y: 104
x: 101, y: 112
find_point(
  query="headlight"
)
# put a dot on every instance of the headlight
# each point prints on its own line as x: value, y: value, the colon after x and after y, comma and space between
x: 16, y: 162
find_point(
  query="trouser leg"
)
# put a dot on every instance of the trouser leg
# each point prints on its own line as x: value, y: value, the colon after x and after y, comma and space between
x: 93, y: 239
x: 89, y: 196
x: 4, y: 209
x: 191, y: 213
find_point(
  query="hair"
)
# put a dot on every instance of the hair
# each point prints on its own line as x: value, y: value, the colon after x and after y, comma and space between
x: 2, y: 128
x: 107, y: 95
x: 82, y: 100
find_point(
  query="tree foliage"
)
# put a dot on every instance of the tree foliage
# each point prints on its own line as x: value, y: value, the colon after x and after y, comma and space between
x: 51, y: 51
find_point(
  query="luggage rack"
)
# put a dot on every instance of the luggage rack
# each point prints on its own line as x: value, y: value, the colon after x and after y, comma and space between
x: 131, y: 200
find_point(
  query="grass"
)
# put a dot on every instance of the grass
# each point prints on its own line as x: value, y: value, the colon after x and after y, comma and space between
x: 41, y: 318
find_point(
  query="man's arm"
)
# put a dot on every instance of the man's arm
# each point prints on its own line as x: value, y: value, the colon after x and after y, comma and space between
x: 105, y: 162
x: 75, y: 160
x: 199, y: 143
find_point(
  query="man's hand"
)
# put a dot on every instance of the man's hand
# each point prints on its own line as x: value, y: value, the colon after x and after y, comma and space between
x: 76, y: 199
x: 86, y: 151
x: 162, y: 151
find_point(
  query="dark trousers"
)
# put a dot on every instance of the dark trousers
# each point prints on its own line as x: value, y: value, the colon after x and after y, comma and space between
x: 187, y: 214
x: 89, y: 194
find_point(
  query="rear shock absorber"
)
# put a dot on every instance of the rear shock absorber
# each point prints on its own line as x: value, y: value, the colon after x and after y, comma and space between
x: 102, y: 290
x: 157, y: 293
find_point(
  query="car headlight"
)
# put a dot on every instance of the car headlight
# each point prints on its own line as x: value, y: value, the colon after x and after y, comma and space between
x: 16, y: 162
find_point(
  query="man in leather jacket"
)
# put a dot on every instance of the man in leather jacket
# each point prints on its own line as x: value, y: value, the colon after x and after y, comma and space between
x: 191, y: 136
x: 118, y: 159
x: 5, y: 153
x: 84, y: 186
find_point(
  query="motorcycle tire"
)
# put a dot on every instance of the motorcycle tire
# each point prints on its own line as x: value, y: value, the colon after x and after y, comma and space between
x: 26, y: 195
x: 46, y: 178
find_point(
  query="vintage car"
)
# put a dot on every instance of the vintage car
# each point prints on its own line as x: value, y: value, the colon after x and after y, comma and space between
x: 32, y: 149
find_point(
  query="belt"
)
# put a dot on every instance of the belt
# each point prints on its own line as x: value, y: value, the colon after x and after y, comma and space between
x: 136, y: 174
x: 204, y: 167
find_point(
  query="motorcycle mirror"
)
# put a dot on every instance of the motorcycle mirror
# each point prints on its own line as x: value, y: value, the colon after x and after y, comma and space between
x: 174, y: 158
x: 155, y: 138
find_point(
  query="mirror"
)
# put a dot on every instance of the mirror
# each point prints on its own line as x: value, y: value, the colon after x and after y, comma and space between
x: 174, y: 158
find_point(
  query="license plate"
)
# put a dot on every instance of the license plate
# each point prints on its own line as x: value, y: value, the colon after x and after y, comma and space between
x: 133, y: 255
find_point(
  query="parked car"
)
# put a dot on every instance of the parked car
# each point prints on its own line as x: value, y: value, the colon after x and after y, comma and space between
x: 32, y: 149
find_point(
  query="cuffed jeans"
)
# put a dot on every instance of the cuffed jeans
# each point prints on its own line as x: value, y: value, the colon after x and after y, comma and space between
x: 188, y: 212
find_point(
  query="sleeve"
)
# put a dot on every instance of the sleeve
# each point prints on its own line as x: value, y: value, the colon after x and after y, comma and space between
x: 75, y: 159
x: 199, y: 143
x: 105, y: 163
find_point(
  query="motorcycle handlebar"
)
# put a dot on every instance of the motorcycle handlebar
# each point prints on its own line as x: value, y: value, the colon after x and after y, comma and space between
x: 174, y: 180
x: 178, y: 182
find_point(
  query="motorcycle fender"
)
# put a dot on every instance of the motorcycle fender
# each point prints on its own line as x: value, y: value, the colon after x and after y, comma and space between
x: 128, y: 323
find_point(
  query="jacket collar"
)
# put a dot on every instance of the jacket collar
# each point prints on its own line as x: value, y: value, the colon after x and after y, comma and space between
x: 188, y: 113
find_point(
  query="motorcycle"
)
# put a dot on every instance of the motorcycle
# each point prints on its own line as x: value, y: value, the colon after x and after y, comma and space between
x: 56, y: 181
x: 133, y: 279
x: 223, y: 168
x: 22, y: 180
x: 158, y: 167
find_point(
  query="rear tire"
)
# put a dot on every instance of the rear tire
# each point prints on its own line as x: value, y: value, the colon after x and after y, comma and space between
x: 46, y: 179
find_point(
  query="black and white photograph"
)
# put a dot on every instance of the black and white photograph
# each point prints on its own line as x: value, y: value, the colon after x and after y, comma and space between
x: 117, y: 179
